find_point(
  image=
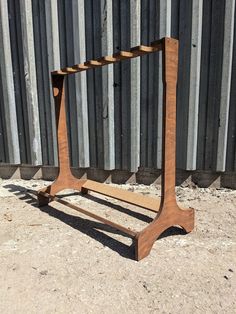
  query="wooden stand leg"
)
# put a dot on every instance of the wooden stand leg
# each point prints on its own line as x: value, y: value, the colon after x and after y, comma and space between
x: 172, y: 216
x: 169, y: 214
x: 65, y: 179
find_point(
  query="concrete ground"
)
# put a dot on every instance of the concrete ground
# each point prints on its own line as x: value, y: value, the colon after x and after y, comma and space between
x: 55, y: 260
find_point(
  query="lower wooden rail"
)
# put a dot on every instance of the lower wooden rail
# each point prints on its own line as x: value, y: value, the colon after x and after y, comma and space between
x: 88, y: 213
x: 168, y: 212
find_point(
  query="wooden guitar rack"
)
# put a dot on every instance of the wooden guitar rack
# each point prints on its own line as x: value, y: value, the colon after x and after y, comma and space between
x: 168, y: 212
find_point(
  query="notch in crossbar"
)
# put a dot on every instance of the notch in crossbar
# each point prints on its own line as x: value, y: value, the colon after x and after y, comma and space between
x: 134, y: 52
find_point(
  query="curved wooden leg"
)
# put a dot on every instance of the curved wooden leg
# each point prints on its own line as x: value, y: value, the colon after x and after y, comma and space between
x: 146, y: 238
x: 167, y: 218
x: 169, y: 214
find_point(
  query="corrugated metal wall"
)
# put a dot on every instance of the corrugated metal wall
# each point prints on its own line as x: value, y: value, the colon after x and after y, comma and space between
x: 115, y: 113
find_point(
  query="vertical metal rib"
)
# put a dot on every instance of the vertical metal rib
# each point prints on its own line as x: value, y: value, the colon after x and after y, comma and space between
x: 107, y: 86
x: 194, y: 84
x: 30, y: 81
x: 225, y: 84
x: 79, y: 46
x: 53, y: 49
x: 164, y: 30
x: 8, y: 87
x: 135, y: 26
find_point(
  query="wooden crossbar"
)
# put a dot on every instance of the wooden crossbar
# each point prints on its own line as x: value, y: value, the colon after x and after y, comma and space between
x: 137, y: 199
x: 168, y: 213
x: 134, y: 52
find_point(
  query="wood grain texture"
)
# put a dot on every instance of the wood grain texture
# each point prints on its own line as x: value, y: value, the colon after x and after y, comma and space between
x: 65, y: 178
x: 149, y: 203
x: 168, y: 212
x: 112, y: 224
x: 116, y: 57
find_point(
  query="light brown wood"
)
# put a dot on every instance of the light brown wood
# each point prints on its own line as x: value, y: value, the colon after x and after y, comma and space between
x: 140, y: 200
x: 116, y: 57
x: 112, y: 224
x: 65, y: 178
x: 168, y: 212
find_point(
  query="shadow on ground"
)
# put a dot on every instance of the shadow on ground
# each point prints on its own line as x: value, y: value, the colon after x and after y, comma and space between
x: 91, y: 228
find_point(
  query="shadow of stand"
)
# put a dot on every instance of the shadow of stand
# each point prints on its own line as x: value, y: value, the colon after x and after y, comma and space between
x: 91, y: 228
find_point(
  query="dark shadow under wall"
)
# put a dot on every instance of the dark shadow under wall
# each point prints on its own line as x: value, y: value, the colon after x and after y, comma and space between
x: 143, y: 176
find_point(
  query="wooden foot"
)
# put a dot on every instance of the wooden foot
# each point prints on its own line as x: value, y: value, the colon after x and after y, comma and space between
x: 84, y: 190
x: 167, y: 218
x: 42, y: 200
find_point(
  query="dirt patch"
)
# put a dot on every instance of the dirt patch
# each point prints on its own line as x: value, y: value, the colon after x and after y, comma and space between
x: 54, y: 260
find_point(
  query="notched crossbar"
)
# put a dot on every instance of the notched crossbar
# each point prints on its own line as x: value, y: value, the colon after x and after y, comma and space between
x: 134, y: 52
x: 168, y: 213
